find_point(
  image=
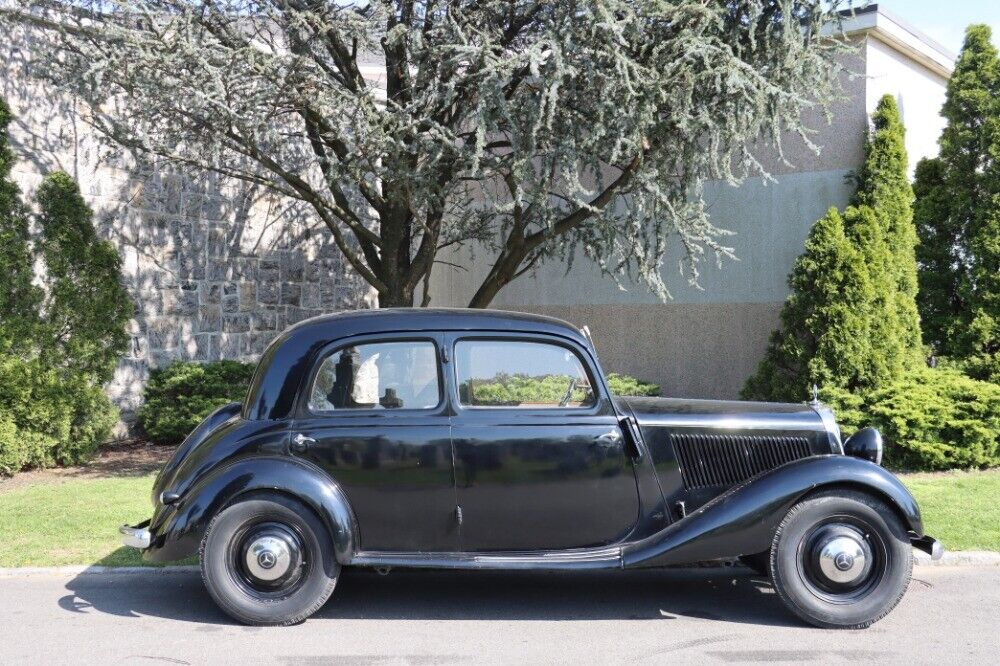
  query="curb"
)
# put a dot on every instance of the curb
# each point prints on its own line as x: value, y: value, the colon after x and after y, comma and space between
x: 959, y: 558
x: 967, y: 558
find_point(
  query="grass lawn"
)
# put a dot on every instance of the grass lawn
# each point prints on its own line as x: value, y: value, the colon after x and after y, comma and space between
x: 75, y: 521
x: 72, y: 522
x: 960, y: 509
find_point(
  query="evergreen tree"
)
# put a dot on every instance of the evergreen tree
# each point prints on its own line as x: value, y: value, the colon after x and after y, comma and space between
x: 825, y: 335
x: 850, y: 324
x: 87, y: 307
x: 884, y: 186
x: 942, y: 271
x: 19, y: 297
x: 957, y: 309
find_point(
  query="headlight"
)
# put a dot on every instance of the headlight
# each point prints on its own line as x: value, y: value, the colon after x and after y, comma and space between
x: 866, y: 444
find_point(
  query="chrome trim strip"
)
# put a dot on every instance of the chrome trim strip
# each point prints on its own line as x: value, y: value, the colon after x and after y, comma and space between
x: 588, y: 558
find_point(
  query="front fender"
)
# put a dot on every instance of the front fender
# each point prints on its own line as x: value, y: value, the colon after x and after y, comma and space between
x: 178, y: 529
x: 743, y: 520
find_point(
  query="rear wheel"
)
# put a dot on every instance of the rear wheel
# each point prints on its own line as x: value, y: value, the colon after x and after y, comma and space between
x: 841, y: 559
x: 266, y: 561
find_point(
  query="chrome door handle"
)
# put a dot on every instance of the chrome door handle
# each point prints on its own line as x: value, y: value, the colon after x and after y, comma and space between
x: 301, y: 443
x: 608, y: 438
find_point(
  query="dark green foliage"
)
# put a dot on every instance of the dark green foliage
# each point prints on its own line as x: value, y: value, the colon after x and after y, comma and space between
x: 179, y: 396
x: 48, y: 417
x: 87, y: 307
x: 825, y: 324
x: 851, y: 321
x: 57, y: 344
x: 19, y: 298
x: 625, y: 385
x: 959, y: 214
x: 932, y: 419
x: 884, y: 187
x: 939, y: 254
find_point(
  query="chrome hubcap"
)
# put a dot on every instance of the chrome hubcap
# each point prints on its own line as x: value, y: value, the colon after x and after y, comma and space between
x: 268, y: 558
x: 839, y: 558
x: 842, y: 559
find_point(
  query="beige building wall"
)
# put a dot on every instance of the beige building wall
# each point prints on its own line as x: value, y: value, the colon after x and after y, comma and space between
x: 706, y: 342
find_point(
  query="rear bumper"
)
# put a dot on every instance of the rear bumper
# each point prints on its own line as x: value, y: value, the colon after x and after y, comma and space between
x: 136, y: 536
x: 929, y: 545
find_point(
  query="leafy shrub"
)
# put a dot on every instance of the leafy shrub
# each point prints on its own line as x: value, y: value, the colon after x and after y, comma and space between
x: 181, y: 395
x: 60, y: 341
x: 932, y: 419
x: 625, y: 385
x: 49, y: 417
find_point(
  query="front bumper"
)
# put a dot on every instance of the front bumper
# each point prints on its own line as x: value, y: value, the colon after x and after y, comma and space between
x: 929, y: 545
x: 136, y: 536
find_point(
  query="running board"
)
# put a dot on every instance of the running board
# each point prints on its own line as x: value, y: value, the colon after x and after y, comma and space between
x: 566, y: 560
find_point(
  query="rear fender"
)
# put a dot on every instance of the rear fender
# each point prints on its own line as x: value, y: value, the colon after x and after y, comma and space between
x: 178, y: 531
x: 743, y: 520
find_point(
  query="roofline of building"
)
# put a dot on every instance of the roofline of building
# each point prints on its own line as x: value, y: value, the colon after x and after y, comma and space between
x: 900, y: 36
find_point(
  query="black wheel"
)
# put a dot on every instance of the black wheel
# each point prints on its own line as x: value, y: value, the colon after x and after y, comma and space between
x: 841, y: 559
x: 266, y: 560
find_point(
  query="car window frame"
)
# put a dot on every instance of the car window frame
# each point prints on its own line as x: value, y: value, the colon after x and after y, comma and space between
x: 304, y: 411
x: 539, y: 338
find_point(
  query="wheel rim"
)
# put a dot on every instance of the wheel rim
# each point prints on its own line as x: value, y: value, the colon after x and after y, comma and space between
x: 268, y: 560
x: 842, y: 560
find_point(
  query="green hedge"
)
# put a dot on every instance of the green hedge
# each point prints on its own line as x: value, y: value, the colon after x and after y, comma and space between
x: 49, y: 417
x: 181, y: 395
x: 625, y: 385
x: 932, y: 419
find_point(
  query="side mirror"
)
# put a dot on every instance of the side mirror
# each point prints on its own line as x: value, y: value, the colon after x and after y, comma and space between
x: 866, y: 444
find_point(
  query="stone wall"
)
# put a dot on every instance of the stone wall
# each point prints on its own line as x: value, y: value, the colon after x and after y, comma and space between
x: 217, y: 268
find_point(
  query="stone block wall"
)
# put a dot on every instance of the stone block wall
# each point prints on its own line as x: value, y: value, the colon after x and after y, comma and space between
x: 216, y: 267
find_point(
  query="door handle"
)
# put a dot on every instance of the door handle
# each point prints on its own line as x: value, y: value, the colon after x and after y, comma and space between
x: 608, y: 439
x: 301, y: 443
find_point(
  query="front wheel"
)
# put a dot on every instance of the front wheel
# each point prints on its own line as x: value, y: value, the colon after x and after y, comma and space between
x: 841, y: 559
x: 266, y: 560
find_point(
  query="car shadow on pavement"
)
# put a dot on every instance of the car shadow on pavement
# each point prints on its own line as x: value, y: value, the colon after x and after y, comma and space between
x: 727, y: 595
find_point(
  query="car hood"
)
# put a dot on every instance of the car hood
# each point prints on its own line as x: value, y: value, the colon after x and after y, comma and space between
x: 723, y: 414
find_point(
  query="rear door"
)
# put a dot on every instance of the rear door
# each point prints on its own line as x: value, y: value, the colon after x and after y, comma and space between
x: 377, y: 413
x: 540, y: 460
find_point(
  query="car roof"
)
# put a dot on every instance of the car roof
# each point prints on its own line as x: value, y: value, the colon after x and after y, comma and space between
x: 387, y: 320
x: 284, y: 363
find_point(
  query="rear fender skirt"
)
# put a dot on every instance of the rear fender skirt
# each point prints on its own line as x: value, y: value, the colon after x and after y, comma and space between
x: 742, y: 521
x: 178, y: 531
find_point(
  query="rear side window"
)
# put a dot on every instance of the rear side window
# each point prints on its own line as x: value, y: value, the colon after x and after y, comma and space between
x: 517, y: 374
x: 381, y: 375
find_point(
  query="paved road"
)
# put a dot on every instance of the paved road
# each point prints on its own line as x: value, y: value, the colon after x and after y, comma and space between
x: 951, y: 615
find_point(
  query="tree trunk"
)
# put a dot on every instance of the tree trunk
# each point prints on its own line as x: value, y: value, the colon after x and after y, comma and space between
x: 397, y: 296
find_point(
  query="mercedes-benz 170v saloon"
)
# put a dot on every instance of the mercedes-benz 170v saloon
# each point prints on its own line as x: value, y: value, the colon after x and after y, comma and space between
x: 460, y: 439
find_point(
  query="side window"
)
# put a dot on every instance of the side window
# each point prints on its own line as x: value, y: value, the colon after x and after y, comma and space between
x: 381, y: 375
x: 528, y: 375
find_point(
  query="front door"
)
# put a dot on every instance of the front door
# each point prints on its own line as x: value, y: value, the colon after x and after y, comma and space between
x: 377, y: 412
x: 540, y: 461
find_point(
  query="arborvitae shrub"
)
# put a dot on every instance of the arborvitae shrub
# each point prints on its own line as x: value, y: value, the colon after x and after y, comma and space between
x: 57, y: 344
x: 825, y: 329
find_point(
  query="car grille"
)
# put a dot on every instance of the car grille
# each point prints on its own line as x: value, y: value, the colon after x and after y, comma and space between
x: 709, y: 461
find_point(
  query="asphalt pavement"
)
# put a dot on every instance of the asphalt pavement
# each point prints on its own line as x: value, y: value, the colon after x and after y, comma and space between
x: 951, y: 615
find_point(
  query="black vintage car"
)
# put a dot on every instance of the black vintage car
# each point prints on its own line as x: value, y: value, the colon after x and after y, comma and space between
x: 459, y: 439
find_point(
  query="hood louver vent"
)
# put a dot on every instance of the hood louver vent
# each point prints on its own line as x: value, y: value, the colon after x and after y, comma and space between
x: 710, y: 461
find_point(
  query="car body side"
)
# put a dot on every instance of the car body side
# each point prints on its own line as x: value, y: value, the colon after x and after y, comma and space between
x: 693, y: 500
